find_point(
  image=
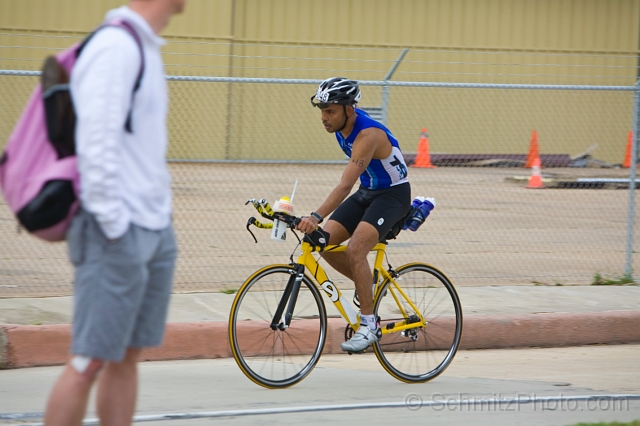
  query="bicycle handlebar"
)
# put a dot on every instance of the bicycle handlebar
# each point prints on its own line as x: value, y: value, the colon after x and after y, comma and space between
x: 264, y: 208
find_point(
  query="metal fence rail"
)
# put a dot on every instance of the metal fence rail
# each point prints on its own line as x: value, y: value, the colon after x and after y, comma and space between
x: 237, y: 138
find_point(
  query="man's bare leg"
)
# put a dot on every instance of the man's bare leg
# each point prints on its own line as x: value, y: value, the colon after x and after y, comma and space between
x: 118, y: 390
x: 338, y: 261
x: 353, y: 263
x: 67, y: 403
x: 364, y: 238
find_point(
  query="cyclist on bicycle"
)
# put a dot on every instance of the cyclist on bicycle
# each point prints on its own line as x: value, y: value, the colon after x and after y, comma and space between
x: 365, y: 218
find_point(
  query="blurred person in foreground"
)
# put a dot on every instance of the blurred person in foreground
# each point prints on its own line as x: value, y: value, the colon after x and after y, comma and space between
x: 121, y: 242
x: 383, y: 198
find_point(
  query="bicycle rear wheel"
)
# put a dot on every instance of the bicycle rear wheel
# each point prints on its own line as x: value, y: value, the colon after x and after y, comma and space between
x: 419, y: 354
x: 276, y: 357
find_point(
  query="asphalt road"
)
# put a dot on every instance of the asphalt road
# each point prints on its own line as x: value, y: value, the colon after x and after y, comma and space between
x: 557, y: 386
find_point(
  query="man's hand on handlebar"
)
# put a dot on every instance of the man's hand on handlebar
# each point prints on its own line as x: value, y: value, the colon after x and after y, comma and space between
x: 307, y: 224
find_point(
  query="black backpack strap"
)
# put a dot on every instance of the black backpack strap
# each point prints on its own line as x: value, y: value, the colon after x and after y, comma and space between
x: 121, y: 23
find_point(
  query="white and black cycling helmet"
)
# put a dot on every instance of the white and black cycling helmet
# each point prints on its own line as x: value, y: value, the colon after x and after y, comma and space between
x: 336, y: 90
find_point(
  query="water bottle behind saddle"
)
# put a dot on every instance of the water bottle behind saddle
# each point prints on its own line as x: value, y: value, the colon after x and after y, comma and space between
x: 420, y: 209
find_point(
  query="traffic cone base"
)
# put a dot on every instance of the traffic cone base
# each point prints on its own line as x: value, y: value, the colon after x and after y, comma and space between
x: 423, y: 159
x: 535, y: 180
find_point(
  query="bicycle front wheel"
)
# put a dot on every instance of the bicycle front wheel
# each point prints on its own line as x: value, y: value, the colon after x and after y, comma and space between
x: 418, y: 354
x: 272, y: 356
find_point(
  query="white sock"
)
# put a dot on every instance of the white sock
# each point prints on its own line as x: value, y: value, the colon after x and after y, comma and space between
x: 371, y: 321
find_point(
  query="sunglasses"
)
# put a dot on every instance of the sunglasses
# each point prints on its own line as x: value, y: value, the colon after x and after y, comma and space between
x: 321, y: 105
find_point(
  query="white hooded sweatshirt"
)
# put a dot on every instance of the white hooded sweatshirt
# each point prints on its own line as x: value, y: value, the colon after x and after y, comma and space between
x: 123, y: 176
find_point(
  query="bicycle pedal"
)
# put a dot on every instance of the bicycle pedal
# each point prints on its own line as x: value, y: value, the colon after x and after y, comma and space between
x: 357, y: 353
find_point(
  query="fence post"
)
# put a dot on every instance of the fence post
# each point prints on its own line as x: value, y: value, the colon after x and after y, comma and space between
x: 385, y: 87
x: 632, y: 180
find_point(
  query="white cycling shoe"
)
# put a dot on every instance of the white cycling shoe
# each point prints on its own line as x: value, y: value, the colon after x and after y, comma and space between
x: 362, y: 339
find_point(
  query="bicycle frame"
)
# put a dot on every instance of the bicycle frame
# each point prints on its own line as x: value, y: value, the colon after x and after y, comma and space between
x: 275, y: 356
x: 307, y: 261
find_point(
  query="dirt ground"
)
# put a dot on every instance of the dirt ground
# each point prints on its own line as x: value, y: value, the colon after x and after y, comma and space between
x: 486, y: 229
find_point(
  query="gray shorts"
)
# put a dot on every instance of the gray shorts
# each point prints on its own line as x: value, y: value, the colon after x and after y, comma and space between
x: 121, y: 289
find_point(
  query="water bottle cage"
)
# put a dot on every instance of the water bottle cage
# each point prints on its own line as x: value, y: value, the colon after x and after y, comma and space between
x: 291, y: 221
x: 415, y: 217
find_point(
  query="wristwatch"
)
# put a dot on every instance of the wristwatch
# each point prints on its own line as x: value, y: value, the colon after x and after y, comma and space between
x: 317, y: 216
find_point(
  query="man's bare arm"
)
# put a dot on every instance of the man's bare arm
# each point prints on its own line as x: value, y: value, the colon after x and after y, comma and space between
x: 361, y: 154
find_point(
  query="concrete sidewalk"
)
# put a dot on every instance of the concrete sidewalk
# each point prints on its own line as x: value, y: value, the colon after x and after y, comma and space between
x: 37, y: 331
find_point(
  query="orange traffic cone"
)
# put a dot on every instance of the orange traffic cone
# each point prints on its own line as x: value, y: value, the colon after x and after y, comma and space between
x: 534, y: 151
x: 423, y: 159
x: 627, y: 156
x: 535, y: 180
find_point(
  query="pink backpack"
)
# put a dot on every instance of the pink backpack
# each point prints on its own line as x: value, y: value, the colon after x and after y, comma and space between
x: 38, y: 170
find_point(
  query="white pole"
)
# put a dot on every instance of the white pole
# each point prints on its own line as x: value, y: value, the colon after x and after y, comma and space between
x: 293, y: 194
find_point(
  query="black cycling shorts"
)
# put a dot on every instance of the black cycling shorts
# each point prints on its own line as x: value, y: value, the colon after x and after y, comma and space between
x: 382, y: 208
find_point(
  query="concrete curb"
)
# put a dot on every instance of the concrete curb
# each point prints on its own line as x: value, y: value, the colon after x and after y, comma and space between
x: 550, y: 330
x: 31, y: 346
x: 4, y: 343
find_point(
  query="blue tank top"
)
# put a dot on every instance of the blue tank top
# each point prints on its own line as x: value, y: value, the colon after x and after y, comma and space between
x: 381, y: 173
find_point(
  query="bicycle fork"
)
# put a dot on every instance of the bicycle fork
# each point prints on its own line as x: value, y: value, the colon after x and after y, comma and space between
x: 288, y: 300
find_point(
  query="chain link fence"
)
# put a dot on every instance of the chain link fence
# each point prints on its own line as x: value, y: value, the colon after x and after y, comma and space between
x: 236, y: 138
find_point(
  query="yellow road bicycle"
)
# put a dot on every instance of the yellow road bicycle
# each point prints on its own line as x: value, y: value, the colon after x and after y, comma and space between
x: 278, y: 322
